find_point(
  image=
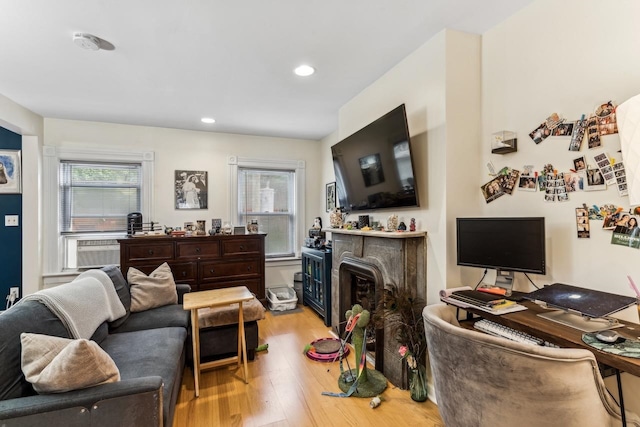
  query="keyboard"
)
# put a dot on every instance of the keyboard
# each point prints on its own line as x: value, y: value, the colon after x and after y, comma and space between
x: 499, y: 330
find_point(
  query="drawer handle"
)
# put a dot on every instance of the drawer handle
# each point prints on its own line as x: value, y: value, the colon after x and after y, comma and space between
x: 249, y: 268
x: 150, y: 251
x: 241, y: 247
x: 184, y: 274
x: 198, y: 250
x: 212, y: 271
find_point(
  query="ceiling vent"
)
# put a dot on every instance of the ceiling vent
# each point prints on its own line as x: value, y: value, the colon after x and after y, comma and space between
x: 86, y: 41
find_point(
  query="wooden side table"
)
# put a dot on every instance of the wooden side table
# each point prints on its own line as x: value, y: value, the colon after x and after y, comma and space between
x: 215, y: 298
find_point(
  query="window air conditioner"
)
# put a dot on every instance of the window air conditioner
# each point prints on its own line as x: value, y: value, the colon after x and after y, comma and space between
x: 97, y: 253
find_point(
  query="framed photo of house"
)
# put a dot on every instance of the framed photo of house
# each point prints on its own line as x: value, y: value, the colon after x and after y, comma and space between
x: 331, y: 196
x: 10, y: 172
x: 191, y: 191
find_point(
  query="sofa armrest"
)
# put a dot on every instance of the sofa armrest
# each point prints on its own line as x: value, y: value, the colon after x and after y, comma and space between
x: 140, y: 397
x: 182, y: 289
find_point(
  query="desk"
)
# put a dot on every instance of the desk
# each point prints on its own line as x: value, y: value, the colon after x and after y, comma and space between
x: 214, y: 298
x: 564, y: 336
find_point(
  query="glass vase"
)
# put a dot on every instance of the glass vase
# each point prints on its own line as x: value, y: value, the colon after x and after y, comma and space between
x: 418, y: 383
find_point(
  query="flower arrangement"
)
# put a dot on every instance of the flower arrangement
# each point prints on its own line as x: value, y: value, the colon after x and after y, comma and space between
x: 408, y: 356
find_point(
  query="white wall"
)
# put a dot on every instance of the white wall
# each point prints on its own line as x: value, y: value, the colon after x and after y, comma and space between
x: 431, y: 82
x: 190, y: 150
x: 566, y: 57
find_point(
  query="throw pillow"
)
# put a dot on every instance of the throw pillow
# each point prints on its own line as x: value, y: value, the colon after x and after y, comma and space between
x: 124, y: 293
x: 55, y: 365
x: 154, y: 290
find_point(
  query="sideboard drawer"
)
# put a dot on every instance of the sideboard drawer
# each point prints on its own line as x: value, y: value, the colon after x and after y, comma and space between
x: 151, y: 252
x: 184, y: 272
x: 240, y: 246
x: 197, y: 250
x: 220, y: 269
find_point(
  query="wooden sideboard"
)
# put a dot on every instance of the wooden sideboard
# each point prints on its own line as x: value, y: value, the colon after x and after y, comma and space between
x: 203, y: 262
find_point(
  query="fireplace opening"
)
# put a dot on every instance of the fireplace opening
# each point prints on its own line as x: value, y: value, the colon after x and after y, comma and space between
x: 361, y: 284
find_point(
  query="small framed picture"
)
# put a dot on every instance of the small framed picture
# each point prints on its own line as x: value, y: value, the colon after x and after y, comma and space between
x: 331, y: 196
x: 10, y: 172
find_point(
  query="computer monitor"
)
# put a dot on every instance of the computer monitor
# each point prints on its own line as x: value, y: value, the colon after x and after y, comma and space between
x: 506, y: 244
x: 581, y: 308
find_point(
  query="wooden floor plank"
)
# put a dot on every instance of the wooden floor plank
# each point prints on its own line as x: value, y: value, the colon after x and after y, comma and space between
x: 285, y: 388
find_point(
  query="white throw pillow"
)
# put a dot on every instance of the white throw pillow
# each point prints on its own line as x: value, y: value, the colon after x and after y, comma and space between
x: 154, y: 290
x: 55, y: 365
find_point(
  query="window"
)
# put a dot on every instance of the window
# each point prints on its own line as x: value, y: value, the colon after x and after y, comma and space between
x: 88, y: 195
x: 96, y: 197
x: 270, y: 192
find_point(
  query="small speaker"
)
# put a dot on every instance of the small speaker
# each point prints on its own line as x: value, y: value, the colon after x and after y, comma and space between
x: 363, y: 221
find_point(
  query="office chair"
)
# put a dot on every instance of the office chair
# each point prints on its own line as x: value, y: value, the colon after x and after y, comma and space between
x: 486, y: 381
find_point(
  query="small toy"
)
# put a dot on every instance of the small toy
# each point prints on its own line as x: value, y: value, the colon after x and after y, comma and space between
x: 412, y: 225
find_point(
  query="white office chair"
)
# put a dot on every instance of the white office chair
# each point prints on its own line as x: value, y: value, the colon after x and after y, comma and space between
x: 486, y: 381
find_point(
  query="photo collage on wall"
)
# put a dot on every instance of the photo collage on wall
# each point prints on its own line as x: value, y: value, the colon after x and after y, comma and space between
x: 593, y: 172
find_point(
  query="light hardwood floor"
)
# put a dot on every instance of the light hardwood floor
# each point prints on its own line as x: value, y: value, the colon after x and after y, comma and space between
x: 285, y: 388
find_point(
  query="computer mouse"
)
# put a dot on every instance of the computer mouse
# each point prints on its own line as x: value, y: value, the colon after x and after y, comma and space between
x: 608, y: 336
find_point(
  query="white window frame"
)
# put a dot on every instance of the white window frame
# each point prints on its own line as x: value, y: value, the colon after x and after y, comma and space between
x: 55, y: 242
x: 296, y: 165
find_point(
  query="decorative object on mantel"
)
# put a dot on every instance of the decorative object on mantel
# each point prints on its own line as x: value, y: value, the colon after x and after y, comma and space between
x: 336, y: 218
x: 392, y: 222
x: 412, y: 225
x: 400, y: 311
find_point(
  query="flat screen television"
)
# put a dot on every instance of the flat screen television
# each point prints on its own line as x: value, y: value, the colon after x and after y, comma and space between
x: 374, y: 167
x: 506, y: 244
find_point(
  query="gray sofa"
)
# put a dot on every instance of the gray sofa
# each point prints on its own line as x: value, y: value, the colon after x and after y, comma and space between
x: 148, y: 347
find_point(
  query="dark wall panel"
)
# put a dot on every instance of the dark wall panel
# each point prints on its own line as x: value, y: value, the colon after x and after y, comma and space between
x: 10, y: 237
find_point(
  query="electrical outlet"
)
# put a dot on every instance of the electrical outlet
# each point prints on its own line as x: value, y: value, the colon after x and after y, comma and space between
x: 14, y: 293
x: 11, y: 220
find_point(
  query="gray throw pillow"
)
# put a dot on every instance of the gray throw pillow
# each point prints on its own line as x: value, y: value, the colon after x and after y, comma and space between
x: 122, y: 288
x: 56, y: 365
x: 155, y: 290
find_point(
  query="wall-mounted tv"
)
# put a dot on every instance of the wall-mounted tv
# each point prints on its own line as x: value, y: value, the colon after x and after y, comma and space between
x: 374, y: 167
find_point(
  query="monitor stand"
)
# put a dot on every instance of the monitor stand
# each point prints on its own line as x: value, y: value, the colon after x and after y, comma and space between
x: 577, y: 321
x: 504, y: 280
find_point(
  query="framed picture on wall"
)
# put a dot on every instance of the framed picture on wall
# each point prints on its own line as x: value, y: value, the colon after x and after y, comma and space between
x: 331, y: 196
x: 191, y: 190
x: 10, y: 172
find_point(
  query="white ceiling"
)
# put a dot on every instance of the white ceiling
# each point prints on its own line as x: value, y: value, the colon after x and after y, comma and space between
x: 175, y: 61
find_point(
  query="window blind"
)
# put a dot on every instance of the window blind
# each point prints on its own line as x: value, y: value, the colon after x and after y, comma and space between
x: 96, y: 197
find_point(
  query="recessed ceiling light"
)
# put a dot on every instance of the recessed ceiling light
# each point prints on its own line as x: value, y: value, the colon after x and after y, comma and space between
x: 208, y: 120
x: 304, y: 70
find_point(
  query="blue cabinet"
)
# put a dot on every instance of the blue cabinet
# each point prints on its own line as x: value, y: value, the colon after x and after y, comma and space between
x: 316, y: 281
